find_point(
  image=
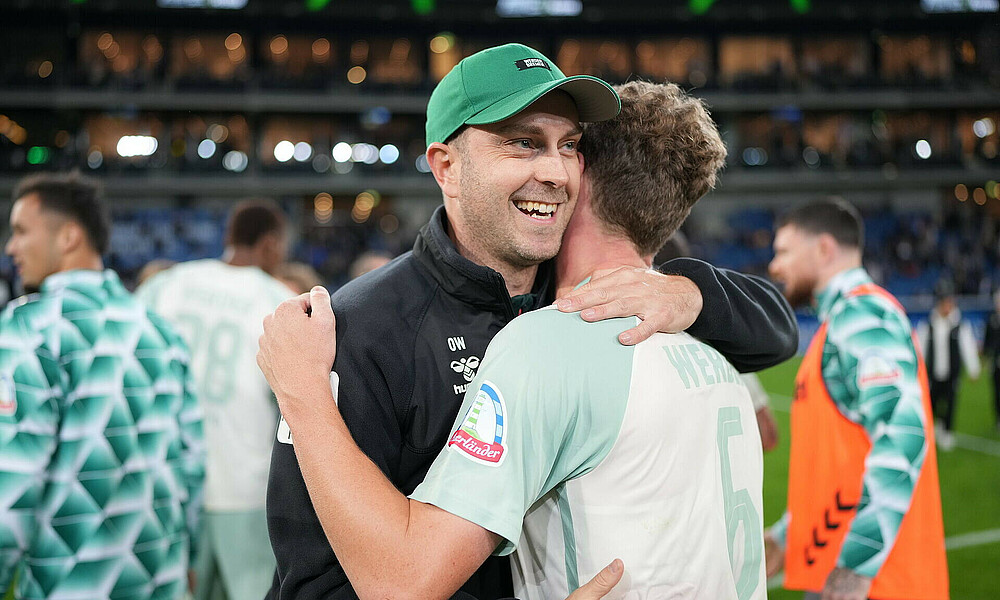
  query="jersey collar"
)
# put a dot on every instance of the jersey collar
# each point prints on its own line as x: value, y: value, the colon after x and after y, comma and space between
x: 80, y: 278
x: 840, y: 285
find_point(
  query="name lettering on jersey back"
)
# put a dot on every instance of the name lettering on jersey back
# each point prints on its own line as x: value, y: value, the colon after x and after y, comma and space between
x: 699, y: 365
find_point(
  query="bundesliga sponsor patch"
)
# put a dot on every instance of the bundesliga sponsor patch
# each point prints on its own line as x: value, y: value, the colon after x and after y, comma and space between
x: 877, y: 368
x: 482, y: 436
x: 8, y: 397
x: 531, y: 63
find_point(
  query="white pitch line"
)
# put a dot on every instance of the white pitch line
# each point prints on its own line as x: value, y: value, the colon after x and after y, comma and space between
x: 955, y: 542
x: 975, y: 538
x: 962, y: 440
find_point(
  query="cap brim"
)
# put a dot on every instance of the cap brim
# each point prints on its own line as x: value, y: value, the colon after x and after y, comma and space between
x: 595, y: 100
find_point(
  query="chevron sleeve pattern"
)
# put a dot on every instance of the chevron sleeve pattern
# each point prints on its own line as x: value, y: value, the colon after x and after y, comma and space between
x: 870, y: 369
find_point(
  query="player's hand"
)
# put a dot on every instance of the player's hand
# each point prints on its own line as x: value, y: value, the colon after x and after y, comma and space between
x: 768, y: 428
x: 667, y: 303
x: 844, y: 584
x: 296, y: 352
x: 774, y: 555
x: 601, y: 584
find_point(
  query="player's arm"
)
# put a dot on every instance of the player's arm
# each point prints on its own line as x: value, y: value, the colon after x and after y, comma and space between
x: 389, y: 546
x: 991, y: 341
x: 30, y: 392
x: 969, y: 350
x: 873, y: 378
x: 192, y: 452
x: 743, y: 317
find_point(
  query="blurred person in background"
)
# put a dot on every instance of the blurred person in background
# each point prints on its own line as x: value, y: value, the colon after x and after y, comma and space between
x: 298, y: 276
x: 152, y: 268
x: 218, y: 306
x: 991, y: 348
x: 502, y: 133
x: 678, y: 246
x: 101, y: 458
x: 367, y: 262
x: 948, y: 343
x: 864, y: 506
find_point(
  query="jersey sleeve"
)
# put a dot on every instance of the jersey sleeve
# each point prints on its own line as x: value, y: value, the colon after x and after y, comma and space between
x: 870, y: 368
x: 545, y: 407
x: 744, y: 317
x: 190, y: 467
x: 969, y: 350
x: 30, y: 412
x: 193, y: 457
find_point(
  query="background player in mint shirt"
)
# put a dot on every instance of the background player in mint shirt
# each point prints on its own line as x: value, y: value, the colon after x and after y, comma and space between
x: 101, y: 461
x: 505, y: 437
x: 218, y: 306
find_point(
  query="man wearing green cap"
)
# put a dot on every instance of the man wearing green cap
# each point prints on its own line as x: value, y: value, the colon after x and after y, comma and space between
x: 502, y: 132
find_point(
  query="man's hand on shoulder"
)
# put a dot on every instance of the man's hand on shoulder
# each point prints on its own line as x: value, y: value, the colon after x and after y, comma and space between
x: 667, y: 303
x: 844, y: 584
x: 297, y: 350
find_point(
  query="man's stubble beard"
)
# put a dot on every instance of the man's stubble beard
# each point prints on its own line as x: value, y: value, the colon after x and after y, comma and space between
x: 798, y: 297
x: 500, y: 229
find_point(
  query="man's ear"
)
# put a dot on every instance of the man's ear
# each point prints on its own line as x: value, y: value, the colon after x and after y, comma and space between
x: 70, y: 236
x: 446, y: 167
x: 828, y: 246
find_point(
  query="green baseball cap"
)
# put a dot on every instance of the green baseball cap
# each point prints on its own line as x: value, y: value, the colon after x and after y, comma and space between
x: 497, y: 83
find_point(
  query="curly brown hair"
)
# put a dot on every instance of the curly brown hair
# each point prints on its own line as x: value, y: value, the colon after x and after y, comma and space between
x: 649, y: 165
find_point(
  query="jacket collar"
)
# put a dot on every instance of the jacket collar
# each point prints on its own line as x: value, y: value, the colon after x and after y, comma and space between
x: 471, y: 283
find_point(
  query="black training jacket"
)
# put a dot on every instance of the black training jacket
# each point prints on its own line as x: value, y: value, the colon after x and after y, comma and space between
x: 410, y: 336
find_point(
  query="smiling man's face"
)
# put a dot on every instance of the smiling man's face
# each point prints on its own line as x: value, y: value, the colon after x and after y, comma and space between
x: 519, y: 182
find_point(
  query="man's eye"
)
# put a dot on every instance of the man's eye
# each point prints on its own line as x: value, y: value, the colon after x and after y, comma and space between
x: 523, y: 144
x: 571, y: 145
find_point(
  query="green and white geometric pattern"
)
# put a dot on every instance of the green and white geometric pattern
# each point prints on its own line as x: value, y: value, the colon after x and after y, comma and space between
x: 101, y: 460
x: 868, y: 335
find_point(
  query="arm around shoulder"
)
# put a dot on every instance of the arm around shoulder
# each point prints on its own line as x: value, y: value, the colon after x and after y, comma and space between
x: 744, y: 317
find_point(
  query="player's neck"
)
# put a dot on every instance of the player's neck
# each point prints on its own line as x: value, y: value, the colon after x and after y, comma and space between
x: 81, y: 260
x: 588, y: 247
x: 836, y: 267
x: 240, y: 256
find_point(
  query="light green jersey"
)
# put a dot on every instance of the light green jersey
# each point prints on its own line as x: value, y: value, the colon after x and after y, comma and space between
x: 576, y: 450
x: 219, y: 309
x: 101, y: 462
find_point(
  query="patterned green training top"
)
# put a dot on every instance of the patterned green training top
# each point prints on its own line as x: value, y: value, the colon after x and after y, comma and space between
x: 101, y: 460
x: 867, y: 334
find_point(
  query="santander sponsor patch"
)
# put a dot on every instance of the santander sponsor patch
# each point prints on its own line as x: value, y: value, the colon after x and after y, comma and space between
x: 8, y: 396
x: 482, y: 437
x: 877, y: 368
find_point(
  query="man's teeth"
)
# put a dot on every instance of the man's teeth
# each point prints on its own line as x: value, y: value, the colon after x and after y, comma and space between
x: 536, y: 209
